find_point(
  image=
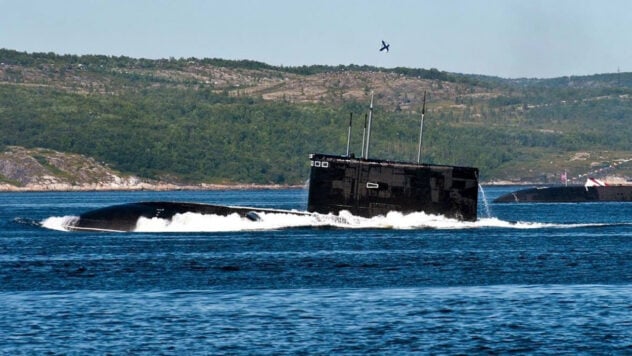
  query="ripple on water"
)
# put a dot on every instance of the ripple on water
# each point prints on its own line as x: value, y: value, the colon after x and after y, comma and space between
x: 521, y: 318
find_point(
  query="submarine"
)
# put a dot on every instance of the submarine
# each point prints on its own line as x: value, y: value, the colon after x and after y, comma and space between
x: 593, y: 191
x: 363, y: 186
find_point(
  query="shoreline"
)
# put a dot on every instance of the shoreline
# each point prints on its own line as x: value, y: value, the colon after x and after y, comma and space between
x: 39, y: 188
x: 161, y: 187
x: 7, y: 188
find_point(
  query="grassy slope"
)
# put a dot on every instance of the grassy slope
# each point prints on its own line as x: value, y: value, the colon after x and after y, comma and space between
x: 226, y: 121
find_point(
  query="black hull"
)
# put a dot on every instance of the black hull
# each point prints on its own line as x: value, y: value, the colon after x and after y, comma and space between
x: 124, y: 217
x: 568, y: 194
x: 365, y: 188
x: 375, y: 187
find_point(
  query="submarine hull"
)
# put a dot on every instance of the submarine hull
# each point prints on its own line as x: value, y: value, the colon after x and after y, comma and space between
x: 124, y: 217
x: 568, y: 194
x: 369, y: 188
x: 363, y: 187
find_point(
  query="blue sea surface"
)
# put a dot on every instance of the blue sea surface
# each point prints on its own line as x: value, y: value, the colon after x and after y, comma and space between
x: 528, y: 278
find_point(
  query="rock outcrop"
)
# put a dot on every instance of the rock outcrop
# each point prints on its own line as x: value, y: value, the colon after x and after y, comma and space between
x: 38, y: 169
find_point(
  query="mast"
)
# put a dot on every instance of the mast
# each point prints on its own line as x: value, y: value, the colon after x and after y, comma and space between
x: 363, y: 136
x: 368, y: 132
x: 349, y: 133
x: 421, y: 128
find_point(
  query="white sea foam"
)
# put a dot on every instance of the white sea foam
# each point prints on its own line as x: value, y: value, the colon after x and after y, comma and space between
x: 495, y: 222
x: 59, y: 223
x: 189, y: 222
x: 195, y: 222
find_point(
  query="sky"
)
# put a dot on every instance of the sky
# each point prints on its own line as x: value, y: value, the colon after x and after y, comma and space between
x: 505, y: 38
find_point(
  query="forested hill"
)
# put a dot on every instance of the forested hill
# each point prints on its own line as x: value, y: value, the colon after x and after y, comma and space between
x: 220, y: 121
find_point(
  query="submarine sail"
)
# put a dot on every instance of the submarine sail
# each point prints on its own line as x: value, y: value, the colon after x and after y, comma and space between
x: 367, y: 187
x: 370, y: 187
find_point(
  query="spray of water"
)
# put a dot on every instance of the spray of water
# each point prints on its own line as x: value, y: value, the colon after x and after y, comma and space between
x: 488, y: 212
x: 194, y: 222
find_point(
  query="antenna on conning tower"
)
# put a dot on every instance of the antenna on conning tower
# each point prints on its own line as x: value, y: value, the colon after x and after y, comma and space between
x: 421, y: 128
x: 349, y: 133
x: 368, y: 132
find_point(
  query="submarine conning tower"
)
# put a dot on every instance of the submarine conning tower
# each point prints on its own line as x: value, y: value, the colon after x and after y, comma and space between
x: 369, y: 187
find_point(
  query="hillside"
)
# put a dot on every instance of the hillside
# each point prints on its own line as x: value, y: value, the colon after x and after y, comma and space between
x: 216, y: 121
x: 40, y: 169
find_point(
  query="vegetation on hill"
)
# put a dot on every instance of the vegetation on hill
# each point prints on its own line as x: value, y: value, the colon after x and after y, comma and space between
x: 220, y: 121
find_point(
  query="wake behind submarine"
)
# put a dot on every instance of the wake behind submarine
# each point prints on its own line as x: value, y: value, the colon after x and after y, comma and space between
x: 363, y: 186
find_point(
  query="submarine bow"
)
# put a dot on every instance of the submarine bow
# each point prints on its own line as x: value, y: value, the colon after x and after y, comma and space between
x: 124, y: 217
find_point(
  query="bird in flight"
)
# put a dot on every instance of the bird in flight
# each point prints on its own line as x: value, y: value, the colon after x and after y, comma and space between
x: 385, y: 46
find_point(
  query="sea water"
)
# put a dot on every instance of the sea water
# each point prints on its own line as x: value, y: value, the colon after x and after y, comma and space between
x: 531, y: 278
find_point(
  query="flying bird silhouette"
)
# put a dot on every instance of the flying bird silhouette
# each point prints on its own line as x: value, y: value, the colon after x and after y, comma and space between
x: 385, y: 46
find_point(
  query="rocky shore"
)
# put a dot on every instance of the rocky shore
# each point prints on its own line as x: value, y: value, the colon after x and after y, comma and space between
x: 64, y: 187
x: 36, y: 169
